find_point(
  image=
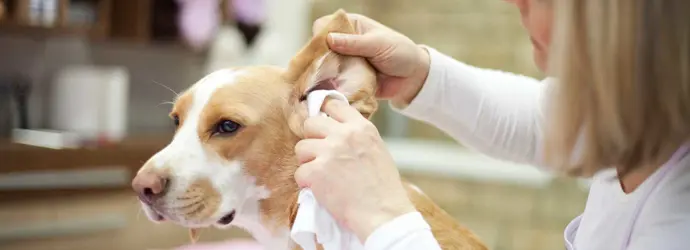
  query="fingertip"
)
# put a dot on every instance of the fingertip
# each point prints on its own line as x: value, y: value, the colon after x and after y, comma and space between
x: 301, y: 177
x: 336, y: 102
x: 332, y: 105
x: 304, y: 151
x: 341, y: 111
x: 337, y: 40
x: 318, y: 127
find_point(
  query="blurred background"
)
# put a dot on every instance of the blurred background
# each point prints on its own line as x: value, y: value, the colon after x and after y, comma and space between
x: 83, y: 86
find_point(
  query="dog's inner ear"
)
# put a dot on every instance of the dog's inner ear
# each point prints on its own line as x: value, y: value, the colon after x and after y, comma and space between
x: 316, y: 67
x: 351, y: 76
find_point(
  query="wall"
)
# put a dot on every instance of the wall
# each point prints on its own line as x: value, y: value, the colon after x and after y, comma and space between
x: 507, y: 217
x: 481, y: 33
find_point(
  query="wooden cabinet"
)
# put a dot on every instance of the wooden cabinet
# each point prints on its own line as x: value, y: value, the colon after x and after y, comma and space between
x: 131, y: 153
x: 3, y: 10
x: 129, y: 21
x: 145, y: 21
x: 89, y: 18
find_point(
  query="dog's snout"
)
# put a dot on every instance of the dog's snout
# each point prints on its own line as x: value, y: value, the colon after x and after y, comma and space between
x: 149, y: 185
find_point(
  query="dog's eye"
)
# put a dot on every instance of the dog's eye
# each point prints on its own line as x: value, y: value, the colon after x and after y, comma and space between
x: 226, y: 127
x: 176, y: 120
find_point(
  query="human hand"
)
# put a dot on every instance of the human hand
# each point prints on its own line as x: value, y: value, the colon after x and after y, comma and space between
x: 402, y: 65
x: 348, y: 168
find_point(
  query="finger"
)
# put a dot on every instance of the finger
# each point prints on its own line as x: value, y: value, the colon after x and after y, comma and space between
x: 341, y: 111
x: 367, y: 45
x: 304, y: 174
x: 306, y: 150
x: 318, y: 127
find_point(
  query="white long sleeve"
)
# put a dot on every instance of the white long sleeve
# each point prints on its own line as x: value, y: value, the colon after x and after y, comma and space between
x: 407, y: 232
x: 501, y: 115
x: 496, y: 113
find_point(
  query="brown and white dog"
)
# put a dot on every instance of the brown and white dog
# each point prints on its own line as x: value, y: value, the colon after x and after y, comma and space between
x: 231, y: 161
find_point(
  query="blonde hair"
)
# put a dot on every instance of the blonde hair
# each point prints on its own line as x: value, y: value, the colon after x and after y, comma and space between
x: 623, y: 91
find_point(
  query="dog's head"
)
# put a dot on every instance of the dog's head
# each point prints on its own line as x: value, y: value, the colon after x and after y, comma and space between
x: 236, y: 130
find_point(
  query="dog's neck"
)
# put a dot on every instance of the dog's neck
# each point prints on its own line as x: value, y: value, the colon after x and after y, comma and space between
x: 272, y: 161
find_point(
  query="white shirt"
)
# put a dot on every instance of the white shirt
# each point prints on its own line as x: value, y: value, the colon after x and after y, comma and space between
x: 500, y: 115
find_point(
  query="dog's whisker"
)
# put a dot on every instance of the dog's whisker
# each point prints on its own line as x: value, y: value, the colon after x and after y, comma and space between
x: 187, y: 198
x: 139, y: 212
x: 183, y: 207
x: 166, y: 87
x: 186, y: 206
x: 198, y: 210
x: 138, y: 207
x: 166, y: 102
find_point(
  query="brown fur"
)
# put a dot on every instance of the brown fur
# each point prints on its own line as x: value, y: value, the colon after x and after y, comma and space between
x: 200, y: 189
x: 182, y: 105
x: 266, y: 101
x: 449, y: 234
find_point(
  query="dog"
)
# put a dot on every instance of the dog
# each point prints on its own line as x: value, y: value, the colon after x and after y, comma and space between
x: 231, y: 161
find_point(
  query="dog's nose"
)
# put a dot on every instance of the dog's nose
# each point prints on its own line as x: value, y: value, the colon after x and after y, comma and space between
x: 149, y: 185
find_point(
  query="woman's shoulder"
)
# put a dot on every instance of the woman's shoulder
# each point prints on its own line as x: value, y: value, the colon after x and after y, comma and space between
x: 664, y: 222
x: 677, y: 182
x: 671, y: 198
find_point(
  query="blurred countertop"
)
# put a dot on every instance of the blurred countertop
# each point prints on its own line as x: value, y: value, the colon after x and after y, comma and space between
x: 49, y: 214
x: 131, y: 152
x: 91, y: 220
x: 36, y: 173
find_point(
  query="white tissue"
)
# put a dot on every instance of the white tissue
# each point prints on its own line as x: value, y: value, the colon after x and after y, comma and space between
x: 313, y: 223
x: 316, y: 98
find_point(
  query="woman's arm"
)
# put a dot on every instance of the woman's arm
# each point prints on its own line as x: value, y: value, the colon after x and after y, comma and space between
x: 497, y: 113
x: 407, y: 232
x: 494, y: 112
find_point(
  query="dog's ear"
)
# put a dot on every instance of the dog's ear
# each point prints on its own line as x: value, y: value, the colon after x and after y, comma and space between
x: 317, y: 67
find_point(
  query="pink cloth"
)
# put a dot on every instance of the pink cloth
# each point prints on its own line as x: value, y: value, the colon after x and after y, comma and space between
x: 198, y: 21
x: 249, y: 11
x: 226, y: 245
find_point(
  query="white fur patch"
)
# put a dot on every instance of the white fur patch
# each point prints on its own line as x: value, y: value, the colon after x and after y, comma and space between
x: 186, y: 159
x: 323, y: 71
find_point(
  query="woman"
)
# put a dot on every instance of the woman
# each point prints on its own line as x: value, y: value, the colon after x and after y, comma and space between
x: 619, y: 112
